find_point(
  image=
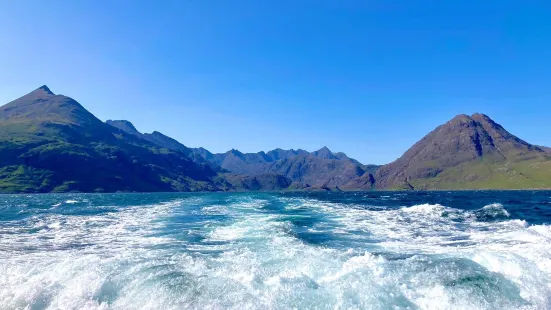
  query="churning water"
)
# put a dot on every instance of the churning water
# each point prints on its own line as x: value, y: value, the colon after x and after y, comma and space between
x: 397, y: 250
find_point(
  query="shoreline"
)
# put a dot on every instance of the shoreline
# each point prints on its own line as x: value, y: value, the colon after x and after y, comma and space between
x: 295, y: 191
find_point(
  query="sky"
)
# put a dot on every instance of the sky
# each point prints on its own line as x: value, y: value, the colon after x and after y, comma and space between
x: 368, y: 78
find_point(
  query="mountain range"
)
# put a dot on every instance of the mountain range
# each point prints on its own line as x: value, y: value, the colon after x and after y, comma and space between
x: 313, y: 170
x: 50, y: 143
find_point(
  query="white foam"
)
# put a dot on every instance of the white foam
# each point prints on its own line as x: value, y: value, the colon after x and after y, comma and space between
x: 520, y: 252
x: 71, y: 257
x: 496, y: 209
x: 425, y: 209
x: 254, y: 260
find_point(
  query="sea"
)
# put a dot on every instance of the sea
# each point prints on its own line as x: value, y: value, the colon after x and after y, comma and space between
x: 312, y: 250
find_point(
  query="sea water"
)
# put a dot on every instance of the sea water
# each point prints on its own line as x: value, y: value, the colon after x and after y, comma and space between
x: 372, y: 250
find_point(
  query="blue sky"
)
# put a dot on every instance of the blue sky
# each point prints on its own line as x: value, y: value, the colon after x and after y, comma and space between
x: 368, y: 78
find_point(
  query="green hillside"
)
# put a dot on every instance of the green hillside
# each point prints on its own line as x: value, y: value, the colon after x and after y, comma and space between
x: 50, y: 143
x: 469, y: 152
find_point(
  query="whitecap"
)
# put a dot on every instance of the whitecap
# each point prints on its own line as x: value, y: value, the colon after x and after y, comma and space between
x: 134, y: 257
x: 495, y: 210
x: 425, y: 209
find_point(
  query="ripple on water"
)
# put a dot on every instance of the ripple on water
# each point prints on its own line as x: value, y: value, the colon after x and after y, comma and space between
x: 271, y: 251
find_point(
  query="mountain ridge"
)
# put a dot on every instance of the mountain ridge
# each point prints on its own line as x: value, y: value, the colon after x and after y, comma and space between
x: 51, y: 143
x: 320, y: 168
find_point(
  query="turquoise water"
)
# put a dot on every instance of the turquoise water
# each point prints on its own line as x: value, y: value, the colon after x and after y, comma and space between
x: 397, y: 250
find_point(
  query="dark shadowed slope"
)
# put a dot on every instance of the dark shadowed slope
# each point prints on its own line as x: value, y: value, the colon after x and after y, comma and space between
x: 163, y: 141
x: 266, y: 182
x: 468, y: 152
x: 364, y: 182
x: 50, y: 143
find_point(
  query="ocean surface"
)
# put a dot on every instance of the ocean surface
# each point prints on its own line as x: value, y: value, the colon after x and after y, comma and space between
x: 374, y: 250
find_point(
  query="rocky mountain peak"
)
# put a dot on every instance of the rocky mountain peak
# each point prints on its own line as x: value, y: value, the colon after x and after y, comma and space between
x: 124, y: 125
x: 461, y: 140
x: 325, y: 153
x: 44, y: 89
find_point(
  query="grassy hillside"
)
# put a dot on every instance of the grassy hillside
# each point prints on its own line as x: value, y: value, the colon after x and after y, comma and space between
x: 487, y: 174
x: 50, y: 143
x: 469, y: 152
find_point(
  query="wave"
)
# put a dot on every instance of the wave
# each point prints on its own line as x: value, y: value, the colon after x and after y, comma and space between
x: 494, y: 211
x: 489, y: 212
x: 425, y: 208
x: 183, y: 254
x: 486, y: 236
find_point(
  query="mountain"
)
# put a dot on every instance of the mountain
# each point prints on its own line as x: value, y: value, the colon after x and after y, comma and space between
x: 266, y: 182
x: 125, y: 126
x: 203, y: 153
x: 545, y: 148
x: 324, y: 153
x: 365, y: 182
x: 163, y: 141
x: 50, y: 142
x: 248, y: 178
x: 245, y: 163
x: 278, y: 154
x: 321, y: 168
x: 155, y: 137
x: 242, y: 163
x: 468, y: 152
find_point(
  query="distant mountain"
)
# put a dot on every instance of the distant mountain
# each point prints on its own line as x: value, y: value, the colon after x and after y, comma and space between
x: 51, y: 143
x: 242, y: 163
x: 246, y: 166
x: 265, y: 182
x: 321, y: 168
x: 278, y: 154
x: 468, y: 152
x: 249, y: 177
x: 245, y: 163
x: 205, y: 154
x: 324, y: 153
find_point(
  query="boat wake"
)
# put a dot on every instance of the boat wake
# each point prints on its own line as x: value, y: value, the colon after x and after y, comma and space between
x: 267, y: 251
